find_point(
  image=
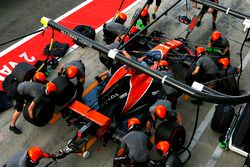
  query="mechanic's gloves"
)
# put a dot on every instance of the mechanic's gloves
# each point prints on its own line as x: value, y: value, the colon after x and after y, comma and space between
x: 121, y: 152
x: 53, y: 156
x: 98, y: 79
x: 171, y: 116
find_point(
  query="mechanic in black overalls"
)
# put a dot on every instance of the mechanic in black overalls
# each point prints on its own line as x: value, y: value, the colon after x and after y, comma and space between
x: 206, y: 9
x: 228, y: 83
x: 28, y: 158
x: 134, y: 148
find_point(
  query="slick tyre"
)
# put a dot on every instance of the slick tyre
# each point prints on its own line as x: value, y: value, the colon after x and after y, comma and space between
x: 86, y: 31
x: 23, y: 72
x: 42, y: 114
x: 222, y: 118
x: 172, y: 132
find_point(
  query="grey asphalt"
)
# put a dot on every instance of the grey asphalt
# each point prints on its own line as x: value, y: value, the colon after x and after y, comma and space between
x: 53, y: 137
x: 23, y: 17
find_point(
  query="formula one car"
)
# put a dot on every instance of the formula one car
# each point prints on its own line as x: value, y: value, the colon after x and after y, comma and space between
x: 125, y: 93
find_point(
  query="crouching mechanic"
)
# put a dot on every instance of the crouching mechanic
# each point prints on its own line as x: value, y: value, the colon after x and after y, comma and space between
x: 26, y: 92
x: 206, y: 66
x: 134, y: 148
x: 28, y: 158
x: 162, y: 110
x: 75, y: 71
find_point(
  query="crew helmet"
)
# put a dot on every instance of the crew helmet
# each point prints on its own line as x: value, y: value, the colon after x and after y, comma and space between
x: 224, y: 62
x: 162, y: 147
x: 39, y: 77
x: 125, y: 38
x: 35, y: 154
x: 133, y: 30
x: 71, y: 71
x: 199, y: 51
x: 144, y: 12
x: 160, y: 111
x: 50, y: 87
x: 122, y: 16
x: 163, y: 64
x: 215, y: 35
x: 133, y: 122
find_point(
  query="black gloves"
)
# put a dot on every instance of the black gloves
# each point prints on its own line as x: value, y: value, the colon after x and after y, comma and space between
x: 98, y: 79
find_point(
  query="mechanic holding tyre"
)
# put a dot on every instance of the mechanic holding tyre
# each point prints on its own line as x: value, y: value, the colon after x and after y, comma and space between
x: 26, y: 92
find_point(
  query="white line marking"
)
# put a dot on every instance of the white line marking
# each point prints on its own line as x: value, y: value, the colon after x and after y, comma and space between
x: 246, y: 60
x: 73, y: 10
x: 216, y: 155
x: 12, y: 47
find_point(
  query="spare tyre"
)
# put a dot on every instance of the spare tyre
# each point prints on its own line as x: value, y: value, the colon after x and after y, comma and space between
x: 42, y: 113
x: 65, y: 91
x: 23, y: 72
x: 10, y: 86
x: 86, y: 31
x: 222, y: 118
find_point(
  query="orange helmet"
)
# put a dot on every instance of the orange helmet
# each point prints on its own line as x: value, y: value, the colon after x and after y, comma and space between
x: 71, y: 71
x: 163, y: 63
x: 123, y: 16
x: 160, y: 111
x: 35, y: 154
x: 199, y: 50
x: 144, y: 12
x: 162, y: 147
x: 125, y: 38
x: 133, y: 30
x: 39, y: 77
x: 215, y: 35
x: 50, y: 87
x: 224, y: 62
x: 132, y: 122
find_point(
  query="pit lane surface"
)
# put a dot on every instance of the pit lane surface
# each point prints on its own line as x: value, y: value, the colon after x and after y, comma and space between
x: 53, y: 137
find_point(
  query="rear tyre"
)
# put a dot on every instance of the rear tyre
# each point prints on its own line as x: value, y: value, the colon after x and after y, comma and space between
x: 86, y: 31
x: 222, y: 118
x: 172, y: 132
